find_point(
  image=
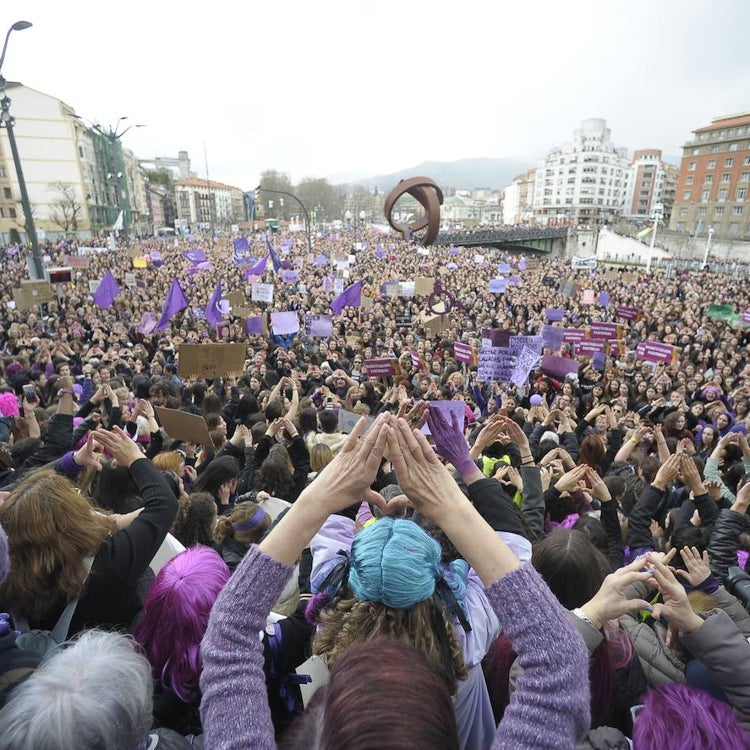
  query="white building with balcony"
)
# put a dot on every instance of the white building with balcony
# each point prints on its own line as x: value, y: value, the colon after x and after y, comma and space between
x: 584, y: 181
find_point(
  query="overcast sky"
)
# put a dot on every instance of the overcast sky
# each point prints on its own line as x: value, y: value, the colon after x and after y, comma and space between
x: 328, y: 87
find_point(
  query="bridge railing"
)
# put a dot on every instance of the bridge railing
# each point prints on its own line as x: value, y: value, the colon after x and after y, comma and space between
x: 486, y: 236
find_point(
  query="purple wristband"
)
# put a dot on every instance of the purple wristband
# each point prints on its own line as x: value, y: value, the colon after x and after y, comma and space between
x: 68, y: 466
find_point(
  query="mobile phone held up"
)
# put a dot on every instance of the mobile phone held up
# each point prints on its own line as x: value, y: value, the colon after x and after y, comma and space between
x: 29, y: 393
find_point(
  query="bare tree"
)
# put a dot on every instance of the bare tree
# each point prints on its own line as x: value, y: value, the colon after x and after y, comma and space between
x: 66, y: 210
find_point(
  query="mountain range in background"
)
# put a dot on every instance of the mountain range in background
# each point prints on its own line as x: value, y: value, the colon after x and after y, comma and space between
x: 463, y: 174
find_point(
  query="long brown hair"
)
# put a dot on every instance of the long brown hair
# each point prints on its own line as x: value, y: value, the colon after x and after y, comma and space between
x: 351, y: 621
x: 51, y: 529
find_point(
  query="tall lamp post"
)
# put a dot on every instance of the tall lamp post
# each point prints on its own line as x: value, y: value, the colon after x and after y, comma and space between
x: 261, y: 189
x: 657, y: 217
x: 6, y: 121
x: 708, y: 247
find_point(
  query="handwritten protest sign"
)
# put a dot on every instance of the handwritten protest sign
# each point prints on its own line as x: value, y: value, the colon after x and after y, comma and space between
x: 262, y: 292
x: 210, y: 360
x: 318, y: 325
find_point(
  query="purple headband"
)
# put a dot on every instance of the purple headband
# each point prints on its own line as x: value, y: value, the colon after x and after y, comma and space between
x: 251, y: 523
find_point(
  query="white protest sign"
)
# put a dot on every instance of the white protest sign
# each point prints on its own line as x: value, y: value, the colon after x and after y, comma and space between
x: 262, y: 292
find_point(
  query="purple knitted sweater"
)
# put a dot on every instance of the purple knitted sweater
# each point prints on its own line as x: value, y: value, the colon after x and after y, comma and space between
x: 549, y: 709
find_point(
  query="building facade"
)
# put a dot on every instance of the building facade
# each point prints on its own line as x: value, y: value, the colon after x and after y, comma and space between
x: 584, y: 181
x: 714, y: 179
x: 207, y: 205
x: 651, y: 185
x: 518, y: 199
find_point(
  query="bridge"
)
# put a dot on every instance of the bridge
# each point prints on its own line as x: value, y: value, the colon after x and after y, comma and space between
x: 519, y: 239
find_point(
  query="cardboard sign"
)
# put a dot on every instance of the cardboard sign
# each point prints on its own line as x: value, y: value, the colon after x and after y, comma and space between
x: 578, y: 263
x: 366, y: 302
x: 236, y: 299
x: 210, y: 360
x: 424, y: 285
x: 181, y: 425
x: 242, y: 312
x: 77, y: 262
x: 315, y: 670
x: 32, y: 293
x: 378, y: 368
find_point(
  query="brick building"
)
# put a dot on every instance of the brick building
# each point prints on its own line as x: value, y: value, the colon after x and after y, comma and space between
x: 714, y: 179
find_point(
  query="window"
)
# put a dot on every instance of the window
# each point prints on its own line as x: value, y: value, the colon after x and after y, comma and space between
x: 11, y: 213
x: 680, y: 226
x: 696, y: 151
x: 744, y: 177
x: 734, y: 227
x: 708, y: 178
x: 746, y: 162
x: 722, y: 196
x: 2, y: 171
x: 693, y: 165
x: 732, y: 147
x: 705, y: 196
x: 726, y: 177
x: 714, y: 149
x: 648, y: 175
x: 683, y: 211
x: 686, y: 195
x: 719, y: 211
x: 702, y: 211
x: 689, y: 180
x: 729, y: 162
x: 737, y: 211
x: 6, y: 193
x: 712, y: 164
x: 741, y: 194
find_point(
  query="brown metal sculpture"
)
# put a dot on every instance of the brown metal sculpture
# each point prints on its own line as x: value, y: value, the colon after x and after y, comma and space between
x: 429, y: 196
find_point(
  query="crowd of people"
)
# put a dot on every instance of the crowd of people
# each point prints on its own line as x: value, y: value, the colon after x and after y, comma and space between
x: 432, y: 559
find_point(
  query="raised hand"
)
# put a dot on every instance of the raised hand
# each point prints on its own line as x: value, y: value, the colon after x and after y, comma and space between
x: 447, y: 432
x: 698, y: 566
x: 124, y: 450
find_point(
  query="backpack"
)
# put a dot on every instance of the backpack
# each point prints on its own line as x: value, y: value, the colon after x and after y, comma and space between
x: 44, y: 643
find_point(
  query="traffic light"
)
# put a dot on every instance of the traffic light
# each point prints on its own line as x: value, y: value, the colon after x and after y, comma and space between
x: 256, y: 195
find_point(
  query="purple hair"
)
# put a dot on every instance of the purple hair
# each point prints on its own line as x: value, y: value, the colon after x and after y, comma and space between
x: 675, y: 716
x: 175, y: 617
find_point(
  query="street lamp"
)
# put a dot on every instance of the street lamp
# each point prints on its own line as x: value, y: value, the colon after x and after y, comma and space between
x: 260, y: 189
x: 6, y: 121
x: 657, y: 218
x: 708, y: 247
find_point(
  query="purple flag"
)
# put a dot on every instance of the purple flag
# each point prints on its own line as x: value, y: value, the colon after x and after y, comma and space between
x: 213, y: 311
x: 254, y: 326
x: 497, y: 286
x: 351, y: 296
x: 380, y: 253
x: 258, y: 269
x: 603, y: 299
x: 555, y: 313
x: 147, y: 323
x: 240, y: 244
x: 274, y: 257
x: 320, y: 260
x: 327, y: 283
x: 175, y: 302
x: 106, y: 292
x: 598, y: 360
x: 453, y: 251
x: 13, y: 250
x: 522, y: 264
x: 195, y: 256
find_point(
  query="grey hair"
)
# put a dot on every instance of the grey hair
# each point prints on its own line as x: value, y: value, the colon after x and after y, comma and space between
x: 96, y: 693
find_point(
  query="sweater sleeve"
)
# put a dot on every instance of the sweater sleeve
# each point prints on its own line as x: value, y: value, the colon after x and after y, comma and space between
x: 128, y: 552
x: 611, y: 522
x: 639, y: 520
x: 533, y: 499
x: 234, y: 707
x: 495, y: 506
x: 550, y: 708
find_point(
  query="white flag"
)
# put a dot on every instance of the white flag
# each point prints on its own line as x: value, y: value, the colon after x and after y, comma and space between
x: 118, y: 225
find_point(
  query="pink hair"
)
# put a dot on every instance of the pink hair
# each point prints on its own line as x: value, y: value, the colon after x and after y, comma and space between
x: 9, y: 405
x: 175, y: 617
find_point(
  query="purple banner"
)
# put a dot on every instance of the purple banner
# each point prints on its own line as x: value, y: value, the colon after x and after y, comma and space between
x: 378, y: 368
x: 626, y: 313
x: 587, y: 347
x: 604, y: 331
x: 464, y: 353
x: 553, y: 337
x: 558, y: 367
x: 655, y: 351
x: 555, y: 314
x: 574, y: 334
